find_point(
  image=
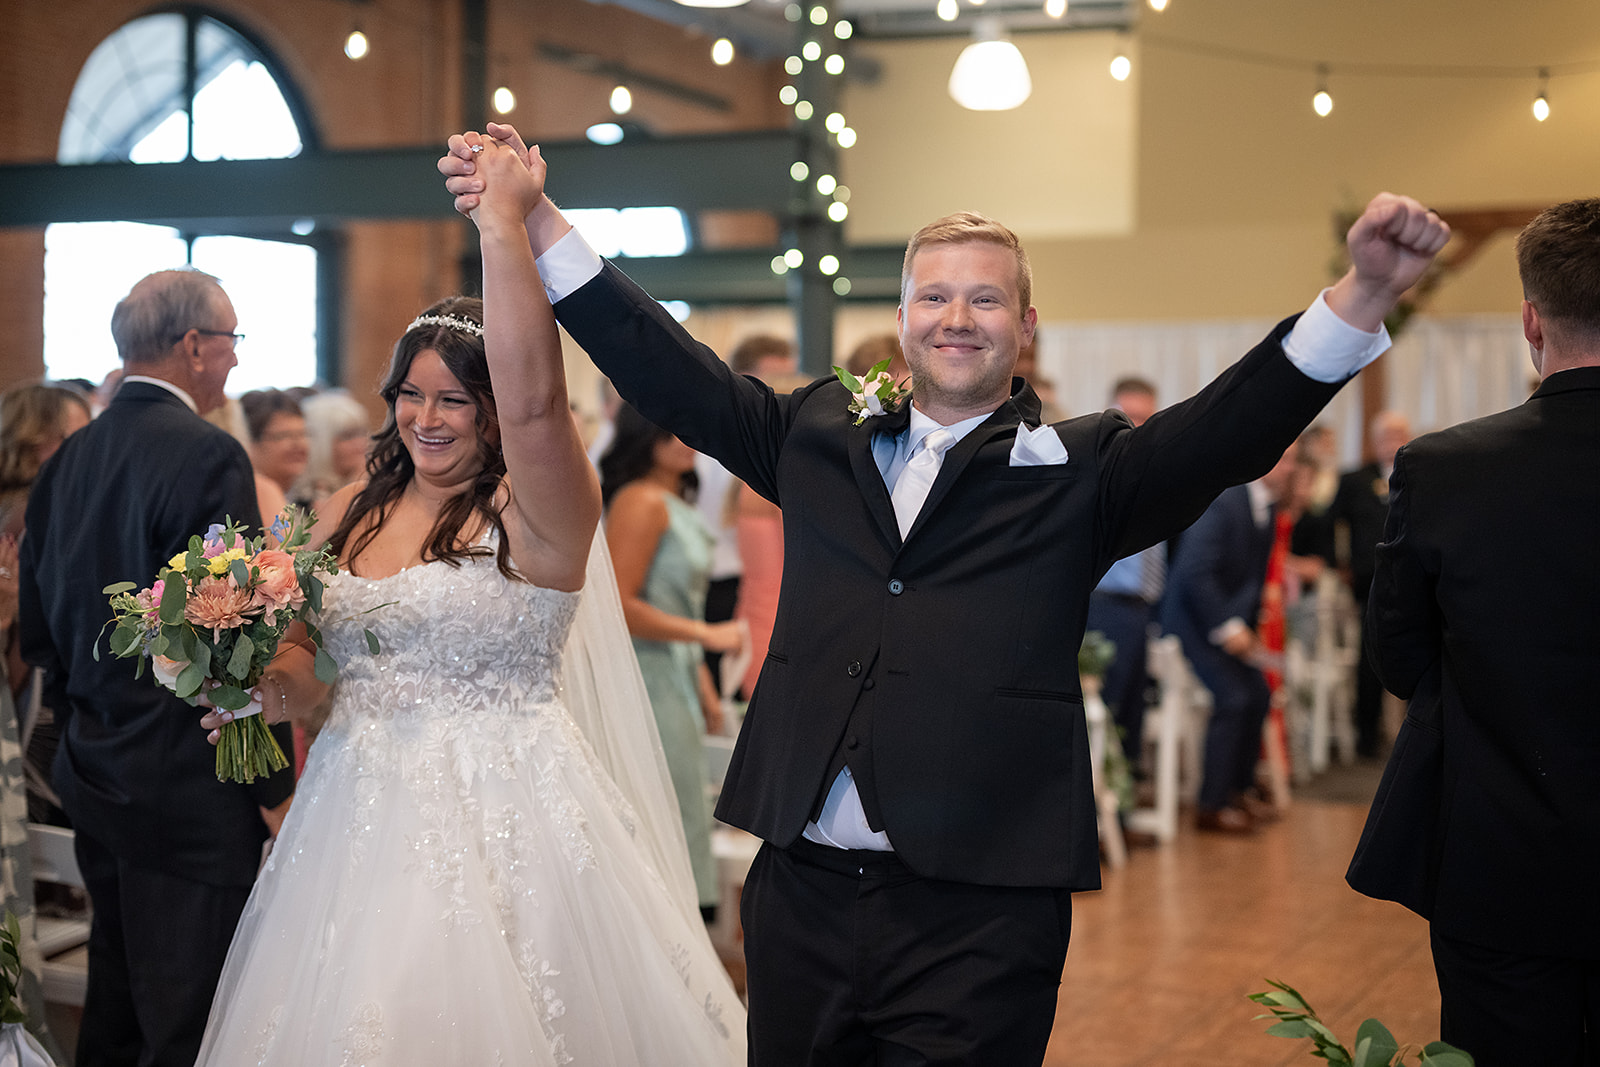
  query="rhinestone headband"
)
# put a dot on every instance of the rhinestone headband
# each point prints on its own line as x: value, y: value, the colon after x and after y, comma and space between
x: 455, y: 322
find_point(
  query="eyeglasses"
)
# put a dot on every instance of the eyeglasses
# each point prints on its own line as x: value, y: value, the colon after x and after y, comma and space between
x: 237, y: 338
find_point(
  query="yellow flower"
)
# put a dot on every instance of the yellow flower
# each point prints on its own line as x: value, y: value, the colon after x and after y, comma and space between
x: 219, y: 564
x: 177, y: 562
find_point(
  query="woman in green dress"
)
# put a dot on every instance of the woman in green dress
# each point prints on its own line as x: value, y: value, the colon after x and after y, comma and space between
x: 661, y: 550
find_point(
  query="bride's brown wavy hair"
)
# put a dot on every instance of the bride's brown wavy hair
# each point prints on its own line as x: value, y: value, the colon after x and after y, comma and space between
x: 389, y: 465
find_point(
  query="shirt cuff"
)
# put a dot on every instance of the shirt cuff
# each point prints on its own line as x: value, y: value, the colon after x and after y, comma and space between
x: 1326, y: 348
x: 569, y: 265
x: 1221, y: 634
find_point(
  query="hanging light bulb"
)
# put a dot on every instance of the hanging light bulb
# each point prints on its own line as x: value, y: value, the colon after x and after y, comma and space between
x: 355, y: 45
x: 722, y: 52
x: 713, y: 3
x: 1541, y: 104
x: 1158, y: 5
x: 948, y: 10
x: 1055, y: 8
x: 1121, y: 66
x: 505, y: 101
x: 990, y: 74
x: 1322, y: 100
x: 621, y: 100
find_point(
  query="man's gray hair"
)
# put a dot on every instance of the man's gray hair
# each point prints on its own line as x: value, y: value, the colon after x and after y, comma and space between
x: 160, y: 309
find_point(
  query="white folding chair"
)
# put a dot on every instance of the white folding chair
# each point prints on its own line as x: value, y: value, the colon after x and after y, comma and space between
x: 1105, y: 798
x: 63, y: 943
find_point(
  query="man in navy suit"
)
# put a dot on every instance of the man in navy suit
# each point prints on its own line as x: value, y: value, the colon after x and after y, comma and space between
x: 1213, y: 600
x: 167, y: 851
x: 915, y: 754
x: 1488, y: 579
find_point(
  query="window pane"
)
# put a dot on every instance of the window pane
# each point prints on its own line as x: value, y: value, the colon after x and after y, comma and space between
x: 273, y: 286
x: 88, y: 267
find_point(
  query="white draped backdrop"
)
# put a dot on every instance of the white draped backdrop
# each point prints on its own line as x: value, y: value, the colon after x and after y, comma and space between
x: 1440, y: 372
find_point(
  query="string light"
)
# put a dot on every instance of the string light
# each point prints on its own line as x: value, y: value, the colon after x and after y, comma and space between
x: 948, y: 10
x: 621, y: 100
x: 794, y: 259
x: 1158, y: 5
x: 1541, y: 104
x: 843, y: 30
x: 505, y: 101
x: 355, y: 45
x: 847, y: 137
x: 827, y: 184
x: 1121, y: 66
x: 793, y: 66
x: 828, y: 265
x: 819, y: 16
x: 798, y: 170
x: 834, y: 122
x: 788, y: 95
x: 1322, y: 100
x: 722, y: 52
x: 837, y: 211
x: 802, y: 110
x: 834, y: 64
x: 841, y: 287
x: 1055, y: 8
x: 811, y: 52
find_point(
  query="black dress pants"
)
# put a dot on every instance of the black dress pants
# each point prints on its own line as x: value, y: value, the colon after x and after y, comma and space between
x: 1511, y: 1009
x: 853, y: 960
x: 156, y: 949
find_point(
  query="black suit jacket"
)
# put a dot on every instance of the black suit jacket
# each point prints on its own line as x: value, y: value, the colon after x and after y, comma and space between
x: 120, y: 498
x: 949, y: 658
x: 1490, y: 569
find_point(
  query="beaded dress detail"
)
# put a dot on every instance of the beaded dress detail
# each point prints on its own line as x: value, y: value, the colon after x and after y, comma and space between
x: 458, y: 879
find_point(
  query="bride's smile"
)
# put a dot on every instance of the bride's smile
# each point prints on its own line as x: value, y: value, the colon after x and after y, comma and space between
x: 438, y: 421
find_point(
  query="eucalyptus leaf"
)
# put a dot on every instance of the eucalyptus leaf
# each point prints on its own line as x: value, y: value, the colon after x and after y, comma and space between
x: 189, y: 681
x: 200, y: 654
x: 1290, y: 1028
x: 327, y: 669
x: 1447, y: 1056
x: 1383, y: 1044
x: 241, y: 573
x: 123, y: 638
x: 173, y: 597
x: 372, y: 642
x: 119, y: 587
x: 229, y: 697
x: 239, y: 662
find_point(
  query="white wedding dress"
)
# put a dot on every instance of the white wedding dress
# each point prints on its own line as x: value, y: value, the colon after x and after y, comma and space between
x: 460, y: 879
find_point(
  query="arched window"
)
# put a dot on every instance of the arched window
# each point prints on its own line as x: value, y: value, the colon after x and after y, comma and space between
x: 162, y: 89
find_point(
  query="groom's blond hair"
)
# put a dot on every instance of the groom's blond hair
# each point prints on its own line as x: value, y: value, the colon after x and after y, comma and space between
x: 960, y: 228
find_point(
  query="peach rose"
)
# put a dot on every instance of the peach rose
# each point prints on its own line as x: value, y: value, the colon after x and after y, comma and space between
x: 278, y: 589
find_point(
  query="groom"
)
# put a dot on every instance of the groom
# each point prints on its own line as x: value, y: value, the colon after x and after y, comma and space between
x: 915, y: 754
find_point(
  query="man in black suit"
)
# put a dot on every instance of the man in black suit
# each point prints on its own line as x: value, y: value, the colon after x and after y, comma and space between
x: 1357, y: 514
x: 1212, y: 604
x: 915, y: 754
x: 1489, y: 574
x: 167, y: 851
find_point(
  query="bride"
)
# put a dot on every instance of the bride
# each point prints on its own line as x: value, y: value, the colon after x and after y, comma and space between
x: 484, y: 862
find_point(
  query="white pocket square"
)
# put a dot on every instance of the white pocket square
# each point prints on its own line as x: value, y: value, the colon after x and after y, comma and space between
x: 1038, y: 447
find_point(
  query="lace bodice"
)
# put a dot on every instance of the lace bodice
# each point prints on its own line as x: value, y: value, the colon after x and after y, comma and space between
x: 452, y: 641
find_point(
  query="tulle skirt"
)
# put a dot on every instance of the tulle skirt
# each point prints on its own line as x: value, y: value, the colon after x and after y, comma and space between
x: 466, y: 890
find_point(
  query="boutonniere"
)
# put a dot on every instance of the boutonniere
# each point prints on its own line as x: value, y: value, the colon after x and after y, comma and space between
x: 874, y: 393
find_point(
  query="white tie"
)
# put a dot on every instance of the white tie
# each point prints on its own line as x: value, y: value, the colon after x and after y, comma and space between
x: 917, y: 478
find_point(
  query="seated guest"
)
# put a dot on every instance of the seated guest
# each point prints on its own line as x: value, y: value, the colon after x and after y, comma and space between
x: 1212, y: 603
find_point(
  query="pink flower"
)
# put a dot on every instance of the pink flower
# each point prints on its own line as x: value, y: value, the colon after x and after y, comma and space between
x: 278, y: 589
x: 149, y: 601
x: 218, y: 605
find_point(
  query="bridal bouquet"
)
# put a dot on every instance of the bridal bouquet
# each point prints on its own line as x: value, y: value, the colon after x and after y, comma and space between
x: 212, y: 621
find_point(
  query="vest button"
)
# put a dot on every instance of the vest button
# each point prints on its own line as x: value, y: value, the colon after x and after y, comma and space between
x: 896, y: 586
x: 868, y: 684
x: 852, y: 742
x: 854, y: 669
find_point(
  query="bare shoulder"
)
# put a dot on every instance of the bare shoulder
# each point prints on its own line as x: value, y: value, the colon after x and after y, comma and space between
x: 638, y: 504
x: 333, y: 512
